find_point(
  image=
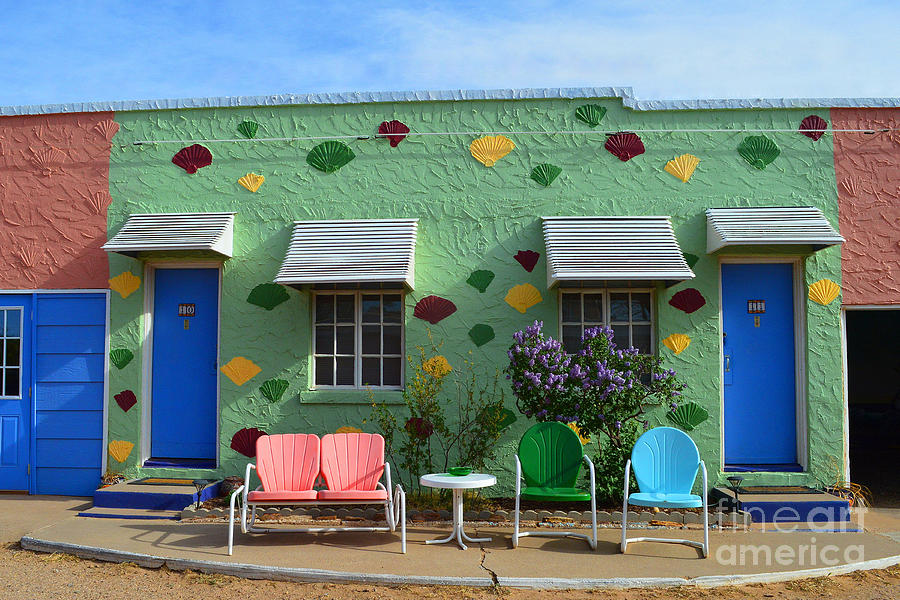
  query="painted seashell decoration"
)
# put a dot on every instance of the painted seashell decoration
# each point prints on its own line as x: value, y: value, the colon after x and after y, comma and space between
x: 330, y: 156
x: 273, y: 389
x: 125, y: 399
x: 688, y: 415
x: 624, y: 146
x: 433, y: 309
x: 813, y: 127
x: 759, y: 151
x: 545, y: 174
x: 395, y: 131
x: 125, y: 283
x: 683, y: 166
x: 244, y: 440
x: 591, y: 114
x: 107, y: 129
x: 268, y: 295
x: 491, y: 148
x: 240, y: 370
x: 689, y: 300
x: 480, y: 280
x: 192, y: 158
x: 120, y: 450
x: 677, y: 342
x: 120, y: 357
x: 528, y: 259
x: 248, y: 129
x: 824, y: 291
x: 481, y: 334
x: 522, y: 297
x: 251, y: 181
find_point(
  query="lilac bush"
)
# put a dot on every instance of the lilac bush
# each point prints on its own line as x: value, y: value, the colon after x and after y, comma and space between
x: 604, y: 389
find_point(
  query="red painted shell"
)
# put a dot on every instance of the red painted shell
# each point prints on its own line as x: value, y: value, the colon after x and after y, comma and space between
x: 528, y: 259
x: 125, y: 399
x: 192, y: 158
x: 244, y: 441
x: 394, y: 130
x: 433, y: 309
x: 419, y: 427
x: 624, y: 145
x: 688, y: 300
x: 813, y: 127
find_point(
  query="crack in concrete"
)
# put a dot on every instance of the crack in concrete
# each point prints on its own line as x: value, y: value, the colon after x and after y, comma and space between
x: 495, y: 581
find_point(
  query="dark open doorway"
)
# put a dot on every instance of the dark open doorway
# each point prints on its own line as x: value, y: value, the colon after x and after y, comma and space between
x: 873, y: 365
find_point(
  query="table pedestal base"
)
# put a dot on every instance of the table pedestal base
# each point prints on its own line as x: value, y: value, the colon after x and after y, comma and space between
x: 458, y: 534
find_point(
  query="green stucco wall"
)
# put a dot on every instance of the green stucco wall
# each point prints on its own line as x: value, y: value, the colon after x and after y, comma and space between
x: 471, y: 217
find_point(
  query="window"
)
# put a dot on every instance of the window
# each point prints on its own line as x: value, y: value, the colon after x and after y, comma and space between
x: 11, y: 353
x: 358, y: 339
x: 628, y: 312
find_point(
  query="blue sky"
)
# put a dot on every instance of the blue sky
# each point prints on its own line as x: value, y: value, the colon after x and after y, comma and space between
x: 55, y: 51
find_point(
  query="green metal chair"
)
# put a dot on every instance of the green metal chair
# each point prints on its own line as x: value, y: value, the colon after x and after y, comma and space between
x: 549, y: 458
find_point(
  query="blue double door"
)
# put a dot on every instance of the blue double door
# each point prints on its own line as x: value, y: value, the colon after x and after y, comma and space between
x: 759, y: 366
x: 185, y: 366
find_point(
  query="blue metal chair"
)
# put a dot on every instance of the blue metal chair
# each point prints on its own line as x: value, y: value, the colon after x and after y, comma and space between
x: 665, y: 462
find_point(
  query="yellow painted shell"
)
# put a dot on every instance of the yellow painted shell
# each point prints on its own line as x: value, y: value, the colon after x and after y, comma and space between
x: 824, y: 291
x: 348, y: 429
x: 251, y: 181
x: 584, y: 437
x: 491, y: 148
x: 677, y: 342
x: 522, y: 297
x: 437, y: 366
x: 125, y: 283
x: 240, y: 370
x: 683, y: 166
x: 120, y: 450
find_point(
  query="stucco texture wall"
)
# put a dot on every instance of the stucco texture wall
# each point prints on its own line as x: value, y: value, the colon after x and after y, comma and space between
x: 54, y: 191
x: 867, y: 167
x: 471, y: 217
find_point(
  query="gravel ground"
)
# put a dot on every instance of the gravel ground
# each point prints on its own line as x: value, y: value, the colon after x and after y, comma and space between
x: 25, y: 574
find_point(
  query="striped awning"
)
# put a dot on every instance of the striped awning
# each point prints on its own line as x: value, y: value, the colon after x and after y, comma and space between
x: 762, y: 226
x: 372, y: 251
x: 613, y: 248
x: 211, y: 232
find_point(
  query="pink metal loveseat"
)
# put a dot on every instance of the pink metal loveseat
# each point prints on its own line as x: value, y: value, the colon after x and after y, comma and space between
x: 288, y: 466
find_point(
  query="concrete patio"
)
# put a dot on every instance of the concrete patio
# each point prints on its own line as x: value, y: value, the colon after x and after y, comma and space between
x: 735, y: 558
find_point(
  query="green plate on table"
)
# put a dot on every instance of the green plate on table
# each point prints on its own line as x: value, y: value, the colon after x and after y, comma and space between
x: 459, y: 471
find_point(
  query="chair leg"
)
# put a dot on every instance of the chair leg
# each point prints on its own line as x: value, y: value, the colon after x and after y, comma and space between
x: 402, y: 518
x: 515, y: 537
x: 624, y: 544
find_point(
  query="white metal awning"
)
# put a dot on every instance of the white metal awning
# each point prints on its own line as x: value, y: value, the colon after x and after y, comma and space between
x: 212, y: 232
x: 613, y: 248
x: 799, y: 225
x: 375, y: 251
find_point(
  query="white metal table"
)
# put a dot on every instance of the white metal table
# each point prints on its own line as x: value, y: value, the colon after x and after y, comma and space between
x: 457, y: 483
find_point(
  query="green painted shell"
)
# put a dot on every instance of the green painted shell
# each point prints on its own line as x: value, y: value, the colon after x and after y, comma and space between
x: 591, y: 114
x: 120, y: 357
x: 504, y: 417
x: 481, y: 334
x: 273, y: 389
x: 248, y: 129
x: 545, y: 174
x: 691, y: 259
x: 330, y: 156
x: 480, y: 280
x: 268, y: 295
x: 759, y: 151
x: 688, y: 415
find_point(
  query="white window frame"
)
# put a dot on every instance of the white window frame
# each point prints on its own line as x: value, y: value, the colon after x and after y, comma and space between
x: 21, y: 366
x: 606, y: 292
x: 357, y: 339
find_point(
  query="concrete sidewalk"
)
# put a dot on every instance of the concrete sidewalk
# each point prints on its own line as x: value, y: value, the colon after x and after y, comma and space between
x: 735, y: 558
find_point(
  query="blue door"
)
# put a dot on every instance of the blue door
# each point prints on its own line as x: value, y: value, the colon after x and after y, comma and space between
x: 759, y: 368
x: 15, y: 392
x: 185, y: 363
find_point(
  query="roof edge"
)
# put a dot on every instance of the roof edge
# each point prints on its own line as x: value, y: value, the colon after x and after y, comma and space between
x: 626, y: 94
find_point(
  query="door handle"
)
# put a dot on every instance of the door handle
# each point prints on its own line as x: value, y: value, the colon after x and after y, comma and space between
x: 727, y: 363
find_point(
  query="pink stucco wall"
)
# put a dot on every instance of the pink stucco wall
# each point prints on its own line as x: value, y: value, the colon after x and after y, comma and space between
x: 867, y: 167
x: 54, y: 191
